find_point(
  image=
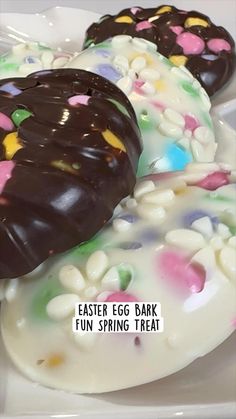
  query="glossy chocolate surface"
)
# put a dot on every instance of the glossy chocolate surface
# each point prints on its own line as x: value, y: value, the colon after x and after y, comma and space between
x: 76, y: 162
x: 211, y: 63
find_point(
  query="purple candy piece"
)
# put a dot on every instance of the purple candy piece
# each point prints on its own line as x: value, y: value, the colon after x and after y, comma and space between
x: 30, y: 60
x: 109, y: 72
x: 10, y: 88
x: 194, y: 215
x: 149, y: 236
x: 128, y: 217
x: 130, y: 245
x: 103, y: 52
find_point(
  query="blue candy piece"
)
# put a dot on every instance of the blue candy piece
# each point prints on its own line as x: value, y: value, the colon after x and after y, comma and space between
x: 10, y: 88
x: 30, y: 60
x: 175, y: 158
x: 149, y: 236
x: 129, y: 217
x: 194, y: 215
x: 109, y: 72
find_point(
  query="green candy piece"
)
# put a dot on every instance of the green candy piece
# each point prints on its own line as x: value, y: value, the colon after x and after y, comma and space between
x: 9, y: 66
x: 45, y: 293
x: 232, y: 230
x: 215, y: 197
x: 145, y: 123
x: 126, y: 275
x: 188, y: 87
x: 20, y: 115
x: 89, y: 247
x: 120, y: 107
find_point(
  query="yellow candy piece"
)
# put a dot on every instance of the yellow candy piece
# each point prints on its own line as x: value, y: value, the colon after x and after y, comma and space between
x: 164, y: 9
x: 113, y: 140
x: 195, y: 21
x: 160, y: 85
x: 12, y: 145
x: 124, y: 19
x: 65, y: 167
x: 55, y: 360
x: 178, y: 60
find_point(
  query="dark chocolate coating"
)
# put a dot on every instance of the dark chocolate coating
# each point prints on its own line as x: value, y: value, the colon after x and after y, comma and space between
x: 213, y: 70
x: 67, y: 179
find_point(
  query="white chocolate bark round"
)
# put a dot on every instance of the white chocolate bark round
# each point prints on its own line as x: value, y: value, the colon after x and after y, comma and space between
x: 173, y: 242
x: 26, y: 58
x: 171, y: 106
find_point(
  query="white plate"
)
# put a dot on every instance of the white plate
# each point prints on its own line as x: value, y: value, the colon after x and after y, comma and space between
x: 203, y: 390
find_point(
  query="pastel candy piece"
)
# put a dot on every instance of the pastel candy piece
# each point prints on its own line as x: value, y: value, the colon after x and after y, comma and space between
x: 78, y: 100
x: 168, y: 102
x: 214, y: 180
x: 11, y: 144
x: 195, y: 287
x: 218, y: 45
x: 11, y: 89
x: 5, y: 122
x: 6, y: 168
x: 191, y: 43
x: 26, y: 58
x: 188, y: 38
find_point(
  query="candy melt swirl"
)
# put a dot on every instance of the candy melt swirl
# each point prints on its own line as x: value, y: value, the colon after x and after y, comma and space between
x: 186, y: 38
x: 66, y: 138
x: 171, y: 106
x: 172, y: 241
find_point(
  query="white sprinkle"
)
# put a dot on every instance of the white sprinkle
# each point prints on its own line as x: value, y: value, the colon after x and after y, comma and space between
x: 26, y: 69
x: 151, y: 212
x: 47, y: 58
x: 227, y: 261
x: 153, y: 18
x: 169, y: 129
x: 216, y: 243
x: 204, y: 135
x: 117, y: 210
x: 120, y: 225
x: 205, y: 257
x: 19, y: 49
x: 149, y: 74
x: 223, y: 231
x: 71, y: 278
x: 11, y: 289
x: 110, y: 281
x: 62, y: 306
x: 103, y: 296
x: 59, y: 62
x: 177, y: 71
x: 121, y: 63
x: 174, y: 117
x: 188, y: 133
x: 201, y: 167
x: 148, y: 88
x: 185, y: 143
x: 143, y: 188
x: 197, y: 151
x: 138, y: 64
x: 132, y: 74
x: 232, y: 241
x: 140, y: 43
x: 84, y: 340
x: 125, y: 84
x: 131, y: 203
x: 203, y: 225
x: 120, y: 40
x: 96, y: 265
x: 186, y: 239
x: 163, y: 197
x: 90, y: 292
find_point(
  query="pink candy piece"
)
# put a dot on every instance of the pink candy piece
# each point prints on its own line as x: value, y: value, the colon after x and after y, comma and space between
x: 120, y: 296
x: 158, y: 105
x: 79, y: 100
x: 5, y: 122
x: 191, y: 122
x: 217, y: 45
x: 6, y: 168
x: 176, y: 29
x: 134, y: 10
x: 143, y: 25
x: 183, y: 275
x: 191, y: 44
x: 214, y: 180
x: 137, y: 86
